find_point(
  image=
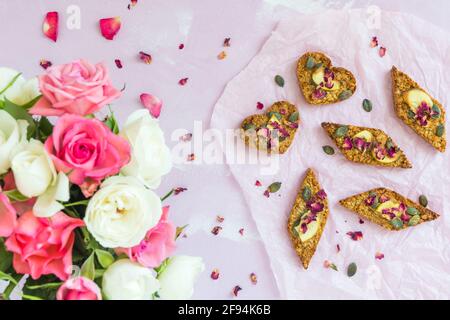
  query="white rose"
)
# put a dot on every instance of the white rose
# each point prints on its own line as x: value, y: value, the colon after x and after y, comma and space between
x: 21, y: 91
x: 121, y: 212
x: 12, y: 132
x: 178, y: 278
x: 127, y: 280
x: 150, y: 156
x: 35, y: 176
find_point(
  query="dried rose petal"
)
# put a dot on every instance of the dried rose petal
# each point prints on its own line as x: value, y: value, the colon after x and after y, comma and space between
x: 50, y: 26
x: 236, y: 290
x: 132, y: 4
x: 382, y: 52
x: 222, y: 55
x: 109, y: 27
x: 215, y: 231
x: 348, y: 144
x: 374, y: 42
x: 191, y: 157
x: 147, y: 58
x: 370, y: 200
x: 361, y: 221
x: 215, y: 274
x: 315, y: 207
x: 258, y: 183
x: 383, y: 198
x: 379, y: 256
x: 226, y: 42
x: 259, y: 106
x: 45, y: 63
x: 152, y: 104
x: 118, y: 63
x: 241, y: 231
x: 267, y: 193
x: 220, y: 219
x: 319, y: 93
x: 186, y: 137
x: 360, y: 144
x: 304, y: 227
x: 183, y: 81
x: 253, y: 278
x: 321, y: 194
x: 338, y: 248
x: 355, y: 235
x: 179, y: 190
x: 181, y: 46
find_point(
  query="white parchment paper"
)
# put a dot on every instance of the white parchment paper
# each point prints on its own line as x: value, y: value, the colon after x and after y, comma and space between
x: 417, y: 260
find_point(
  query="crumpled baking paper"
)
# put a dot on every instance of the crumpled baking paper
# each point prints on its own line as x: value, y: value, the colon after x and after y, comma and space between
x: 417, y: 260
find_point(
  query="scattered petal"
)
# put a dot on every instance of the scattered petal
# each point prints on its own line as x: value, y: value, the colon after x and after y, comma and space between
x: 132, y: 4
x: 45, y: 63
x: 186, y: 138
x: 50, y: 26
x: 374, y: 42
x: 241, y: 231
x: 183, y: 81
x: 236, y: 290
x: 253, y: 278
x: 222, y: 55
x: 109, y: 27
x: 338, y: 248
x: 355, y: 235
x: 267, y: 193
x: 382, y: 52
x: 118, y: 63
x: 329, y: 265
x: 215, y: 231
x: 152, y: 103
x: 220, y: 219
x: 181, y: 46
x: 179, y: 190
x: 147, y: 58
x: 215, y: 274
x: 259, y: 106
x: 226, y: 42
x: 361, y: 221
x: 258, y: 183
x: 191, y: 157
x: 379, y: 256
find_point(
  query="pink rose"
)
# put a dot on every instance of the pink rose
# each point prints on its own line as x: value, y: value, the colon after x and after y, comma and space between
x: 86, y: 149
x: 8, y: 216
x: 79, y: 288
x: 76, y: 88
x: 158, y: 244
x: 43, y: 245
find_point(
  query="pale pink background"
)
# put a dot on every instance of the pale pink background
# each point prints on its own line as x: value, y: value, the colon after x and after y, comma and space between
x: 158, y: 27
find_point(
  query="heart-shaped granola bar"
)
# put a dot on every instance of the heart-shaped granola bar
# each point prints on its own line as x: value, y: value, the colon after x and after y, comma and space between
x: 320, y: 82
x: 273, y: 131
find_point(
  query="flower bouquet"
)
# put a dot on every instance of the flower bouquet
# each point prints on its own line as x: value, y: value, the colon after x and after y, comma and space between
x: 77, y: 212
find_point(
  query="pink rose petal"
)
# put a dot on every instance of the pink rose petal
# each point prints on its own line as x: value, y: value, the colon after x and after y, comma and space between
x: 183, y: 81
x: 379, y: 256
x: 382, y: 52
x: 147, y: 58
x: 152, y: 104
x: 118, y: 63
x: 50, y: 26
x: 259, y: 106
x: 109, y: 27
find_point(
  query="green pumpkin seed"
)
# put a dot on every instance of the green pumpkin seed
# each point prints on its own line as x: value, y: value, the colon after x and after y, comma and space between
x: 423, y: 201
x: 274, y: 113
x: 414, y: 221
x: 306, y: 193
x: 344, y: 95
x: 341, y: 131
x: 389, y: 144
x: 351, y: 269
x: 412, y: 211
x: 367, y: 105
x: 279, y: 80
x: 440, y: 130
x: 310, y: 63
x: 411, y: 114
x: 437, y: 112
x: 376, y: 203
x: 274, y: 187
x: 249, y: 126
x: 293, y: 117
x: 294, y: 226
x: 328, y: 150
x: 397, y: 223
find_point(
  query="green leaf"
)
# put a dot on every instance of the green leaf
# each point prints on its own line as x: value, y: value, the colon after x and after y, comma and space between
x: 274, y: 187
x: 5, y: 257
x: 279, y: 80
x: 19, y: 113
x: 351, y: 269
x: 31, y: 103
x: 88, y: 267
x: 162, y: 267
x: 15, y: 196
x: 180, y: 230
x: 7, y: 277
x: 112, y: 123
x: 43, y: 288
x: 44, y: 129
x: 104, y: 258
x: 11, y: 83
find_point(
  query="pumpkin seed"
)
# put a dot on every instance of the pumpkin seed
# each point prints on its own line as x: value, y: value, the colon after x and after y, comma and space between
x: 351, y: 269
x: 412, y: 211
x: 367, y: 105
x: 328, y: 150
x: 341, y: 131
x: 411, y: 114
x: 249, y: 126
x: 423, y: 201
x: 397, y: 223
x: 294, y: 226
x: 274, y: 187
x: 437, y: 111
x: 414, y: 221
x: 293, y: 117
x: 318, y: 65
x: 375, y: 204
x: 310, y: 63
x: 279, y: 80
x: 440, y: 130
x: 306, y: 193
x: 389, y: 144
x: 344, y: 95
x: 274, y: 113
